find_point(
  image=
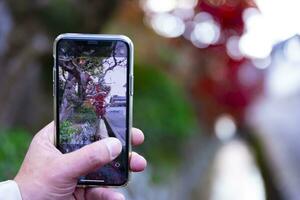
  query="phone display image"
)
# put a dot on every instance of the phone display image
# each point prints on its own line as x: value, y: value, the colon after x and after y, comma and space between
x: 92, y: 100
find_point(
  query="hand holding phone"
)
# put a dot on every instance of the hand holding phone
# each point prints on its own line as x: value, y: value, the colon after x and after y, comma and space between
x: 46, y: 173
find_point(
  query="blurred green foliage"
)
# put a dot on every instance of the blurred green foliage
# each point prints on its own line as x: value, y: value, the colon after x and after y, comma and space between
x: 163, y: 112
x: 61, y: 16
x: 13, y: 147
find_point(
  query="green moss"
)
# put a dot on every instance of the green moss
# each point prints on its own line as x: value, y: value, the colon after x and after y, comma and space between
x: 66, y: 131
x: 84, y: 114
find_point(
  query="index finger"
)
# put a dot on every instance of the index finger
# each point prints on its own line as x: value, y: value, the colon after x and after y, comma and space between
x: 137, y: 137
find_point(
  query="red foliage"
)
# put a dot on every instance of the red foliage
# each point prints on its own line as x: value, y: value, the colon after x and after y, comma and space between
x: 98, y: 100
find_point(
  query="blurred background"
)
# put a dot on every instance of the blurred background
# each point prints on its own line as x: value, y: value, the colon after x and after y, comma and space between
x: 217, y: 90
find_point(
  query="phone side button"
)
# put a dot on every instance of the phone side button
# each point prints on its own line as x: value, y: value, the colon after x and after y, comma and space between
x: 131, y: 85
x: 53, y: 74
x: 53, y: 81
x: 53, y: 92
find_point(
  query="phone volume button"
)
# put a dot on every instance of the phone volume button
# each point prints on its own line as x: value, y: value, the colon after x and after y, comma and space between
x: 53, y: 74
x: 53, y: 81
x: 131, y: 85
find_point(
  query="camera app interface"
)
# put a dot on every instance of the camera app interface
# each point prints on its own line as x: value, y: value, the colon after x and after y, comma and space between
x: 92, y: 100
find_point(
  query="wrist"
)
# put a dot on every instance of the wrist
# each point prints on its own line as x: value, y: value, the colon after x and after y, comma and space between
x: 23, y: 190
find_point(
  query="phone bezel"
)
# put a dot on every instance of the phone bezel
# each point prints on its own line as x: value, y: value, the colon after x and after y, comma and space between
x: 129, y: 93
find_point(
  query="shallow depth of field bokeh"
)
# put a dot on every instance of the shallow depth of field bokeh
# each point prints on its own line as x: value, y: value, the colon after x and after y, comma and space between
x: 217, y: 90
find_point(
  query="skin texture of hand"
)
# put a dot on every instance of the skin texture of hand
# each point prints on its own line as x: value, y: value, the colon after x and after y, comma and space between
x: 47, y: 174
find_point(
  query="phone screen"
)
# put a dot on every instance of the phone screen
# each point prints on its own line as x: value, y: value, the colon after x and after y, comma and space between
x: 92, y: 101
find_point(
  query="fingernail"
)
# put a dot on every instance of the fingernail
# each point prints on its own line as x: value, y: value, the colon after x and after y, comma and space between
x: 114, y: 147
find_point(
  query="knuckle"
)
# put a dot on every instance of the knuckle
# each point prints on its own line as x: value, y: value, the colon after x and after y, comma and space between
x: 93, y: 159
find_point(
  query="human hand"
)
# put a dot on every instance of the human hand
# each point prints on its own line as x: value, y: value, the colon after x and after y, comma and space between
x: 46, y: 173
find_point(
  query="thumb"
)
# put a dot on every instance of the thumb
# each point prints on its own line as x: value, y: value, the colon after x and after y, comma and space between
x: 90, y: 157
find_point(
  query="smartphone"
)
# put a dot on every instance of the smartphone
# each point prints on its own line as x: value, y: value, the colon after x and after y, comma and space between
x: 93, y: 89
